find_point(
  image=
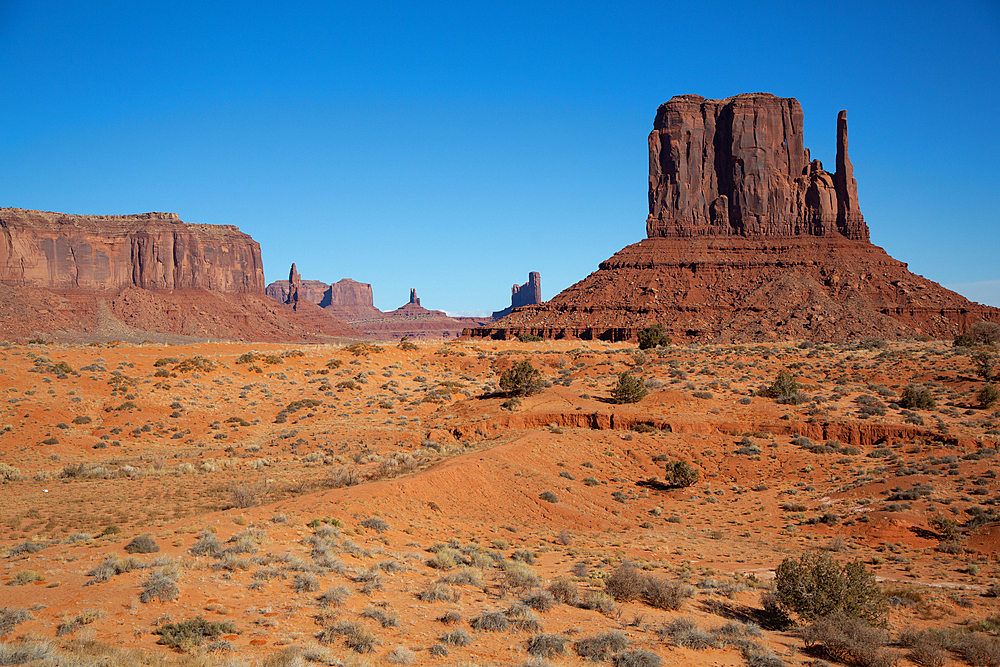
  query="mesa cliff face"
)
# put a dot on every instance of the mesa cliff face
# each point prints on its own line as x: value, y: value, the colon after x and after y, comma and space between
x: 748, y: 239
x: 111, y: 252
x: 738, y: 167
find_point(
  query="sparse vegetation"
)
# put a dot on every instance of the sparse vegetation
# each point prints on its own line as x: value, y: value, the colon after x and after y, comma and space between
x: 629, y: 389
x: 521, y: 379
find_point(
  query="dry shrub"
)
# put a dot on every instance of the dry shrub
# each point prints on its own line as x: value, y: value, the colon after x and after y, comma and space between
x: 625, y: 584
x: 565, y: 591
x: 547, y: 646
x: 602, y: 646
x: 849, y: 640
x: 250, y: 494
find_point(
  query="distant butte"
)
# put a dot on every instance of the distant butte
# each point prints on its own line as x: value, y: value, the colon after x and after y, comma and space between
x: 748, y: 239
x: 527, y: 294
x: 147, y: 276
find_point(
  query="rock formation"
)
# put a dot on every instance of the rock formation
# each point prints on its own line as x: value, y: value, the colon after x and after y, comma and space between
x: 140, y: 277
x: 523, y: 295
x: 413, y: 296
x: 748, y: 239
x: 108, y: 252
x: 738, y: 167
x: 309, y: 290
x: 294, y: 283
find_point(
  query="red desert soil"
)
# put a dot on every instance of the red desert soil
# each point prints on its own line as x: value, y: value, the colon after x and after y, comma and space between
x: 326, y: 500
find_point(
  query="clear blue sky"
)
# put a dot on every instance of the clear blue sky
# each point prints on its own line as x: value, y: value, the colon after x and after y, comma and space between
x: 454, y: 147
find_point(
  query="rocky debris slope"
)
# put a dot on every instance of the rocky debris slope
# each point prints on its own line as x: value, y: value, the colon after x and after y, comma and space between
x: 748, y: 239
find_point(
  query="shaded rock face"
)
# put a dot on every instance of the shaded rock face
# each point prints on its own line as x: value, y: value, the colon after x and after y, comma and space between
x: 738, y: 167
x: 309, y: 290
x: 523, y: 295
x: 413, y: 297
x: 111, y: 252
x: 748, y: 240
x: 294, y: 283
x: 528, y: 293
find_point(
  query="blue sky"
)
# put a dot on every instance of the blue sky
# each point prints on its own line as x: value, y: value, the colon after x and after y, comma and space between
x: 454, y: 147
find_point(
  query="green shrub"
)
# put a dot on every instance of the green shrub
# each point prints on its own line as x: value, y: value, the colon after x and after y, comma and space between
x: 988, y: 395
x: 653, y: 336
x: 521, y: 379
x: 680, y: 473
x: 916, y: 398
x: 529, y: 338
x: 628, y: 390
x: 984, y: 363
x: 816, y: 585
x: 784, y: 385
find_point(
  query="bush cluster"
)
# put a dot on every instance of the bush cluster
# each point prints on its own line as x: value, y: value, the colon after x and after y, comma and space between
x: 627, y: 583
x: 816, y: 585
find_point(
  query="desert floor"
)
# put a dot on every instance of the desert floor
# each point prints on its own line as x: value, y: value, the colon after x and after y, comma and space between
x: 374, y: 505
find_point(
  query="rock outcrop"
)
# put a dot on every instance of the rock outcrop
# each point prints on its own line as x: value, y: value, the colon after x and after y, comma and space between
x: 309, y: 290
x: 111, y: 252
x: 527, y: 294
x: 748, y: 240
x: 738, y: 167
x: 141, y: 277
x: 413, y: 296
x: 294, y: 283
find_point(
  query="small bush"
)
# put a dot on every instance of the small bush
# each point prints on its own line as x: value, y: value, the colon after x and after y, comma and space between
x: 458, y: 637
x: 548, y: 496
x: 652, y: 337
x: 817, y: 585
x: 628, y: 390
x: 625, y: 584
x: 519, y: 575
x: 521, y: 379
x: 784, y: 385
x: 143, y: 544
x: 680, y: 473
x: 439, y: 592
x: 250, y: 494
x: 988, y: 395
x: 161, y: 584
x: 637, y: 658
x: 849, y: 640
x: 10, y: 618
x: 598, y: 601
x: 663, y: 594
x: 547, y: 646
x: 917, y: 398
x: 565, y: 591
x: 490, y: 621
x: 601, y: 647
x: 188, y: 634
x: 385, y: 618
x: 376, y: 524
x: 539, y: 600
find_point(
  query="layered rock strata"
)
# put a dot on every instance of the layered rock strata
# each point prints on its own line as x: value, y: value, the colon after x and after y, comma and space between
x: 749, y: 239
x: 111, y: 252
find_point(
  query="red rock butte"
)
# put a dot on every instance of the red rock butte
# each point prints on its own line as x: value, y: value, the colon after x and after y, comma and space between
x: 748, y: 239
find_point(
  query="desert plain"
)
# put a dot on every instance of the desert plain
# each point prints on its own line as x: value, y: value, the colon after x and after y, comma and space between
x: 388, y: 504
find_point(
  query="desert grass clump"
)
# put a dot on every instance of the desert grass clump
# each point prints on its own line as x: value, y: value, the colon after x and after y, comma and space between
x: 522, y: 618
x: 601, y: 647
x: 305, y: 582
x: 637, y: 658
x: 24, y: 577
x: 457, y: 637
x: 547, y: 646
x: 519, y: 575
x: 333, y: 597
x: 401, y: 655
x: 10, y: 618
x: 142, y: 544
x: 9, y: 473
x: 356, y: 636
x: 599, y: 601
x: 191, y: 633
x: 375, y: 523
x: 206, y: 545
x: 440, y: 592
x: 385, y: 617
x: 539, y: 600
x: 490, y: 621
x: 467, y: 576
x: 249, y: 494
x: 161, y: 584
x: 112, y: 566
x: 23, y: 653
x: 565, y: 591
